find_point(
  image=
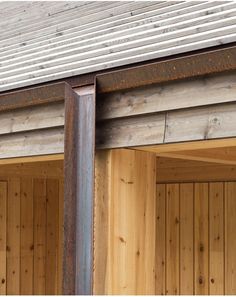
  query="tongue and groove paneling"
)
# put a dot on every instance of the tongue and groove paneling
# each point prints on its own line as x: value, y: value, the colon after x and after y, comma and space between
x: 30, y: 230
x: 202, y: 224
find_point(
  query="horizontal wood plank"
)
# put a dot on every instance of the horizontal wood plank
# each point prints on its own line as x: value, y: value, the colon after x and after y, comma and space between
x: 32, y: 118
x: 131, y: 131
x: 200, y: 123
x: 176, y: 170
x: 40, y: 142
x: 171, y: 96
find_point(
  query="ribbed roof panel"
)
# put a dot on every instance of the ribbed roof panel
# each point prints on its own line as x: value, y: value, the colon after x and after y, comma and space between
x: 44, y: 41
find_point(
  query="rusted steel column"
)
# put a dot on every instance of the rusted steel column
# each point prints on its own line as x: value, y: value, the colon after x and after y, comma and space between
x: 79, y: 193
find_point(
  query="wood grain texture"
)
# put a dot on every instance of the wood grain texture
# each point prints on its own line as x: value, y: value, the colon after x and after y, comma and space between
x: 132, y: 217
x: 166, y: 97
x: 26, y: 237
x: 35, y: 143
x: 60, y: 236
x: 13, y: 238
x: 230, y: 243
x: 205, y: 257
x: 160, y: 239
x: 186, y: 192
x: 29, y: 233
x: 52, y: 232
x: 3, y: 238
x: 172, y: 240
x: 101, y: 221
x: 224, y: 155
x: 179, y: 170
x: 199, y: 123
x: 216, y: 239
x: 206, y: 123
x: 32, y: 118
x: 130, y: 131
x: 39, y: 236
x: 201, y: 234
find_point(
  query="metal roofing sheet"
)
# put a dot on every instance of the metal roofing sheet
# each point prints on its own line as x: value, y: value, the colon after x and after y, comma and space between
x: 43, y: 41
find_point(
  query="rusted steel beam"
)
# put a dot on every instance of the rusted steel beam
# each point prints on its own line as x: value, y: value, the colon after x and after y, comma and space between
x: 70, y: 169
x: 173, y: 69
x: 34, y: 96
x: 79, y: 194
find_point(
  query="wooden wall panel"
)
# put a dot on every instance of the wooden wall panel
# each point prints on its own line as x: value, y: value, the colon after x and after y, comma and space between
x: 128, y: 200
x: 199, y: 254
x: 39, y: 236
x: 216, y: 238
x: 13, y: 237
x: 30, y: 230
x: 52, y: 229
x: 160, y: 239
x: 3, y: 237
x: 172, y: 239
x: 26, y: 237
x: 230, y: 238
x: 186, y: 238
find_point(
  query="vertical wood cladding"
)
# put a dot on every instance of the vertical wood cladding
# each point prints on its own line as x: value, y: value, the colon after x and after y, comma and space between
x: 195, y: 241
x: 30, y: 228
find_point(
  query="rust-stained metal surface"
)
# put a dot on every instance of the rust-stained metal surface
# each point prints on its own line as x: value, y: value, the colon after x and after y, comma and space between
x: 70, y: 195
x: 179, y: 68
x: 79, y: 194
x: 34, y: 96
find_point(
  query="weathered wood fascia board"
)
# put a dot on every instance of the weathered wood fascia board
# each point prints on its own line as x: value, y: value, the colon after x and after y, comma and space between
x: 192, y: 65
x: 45, y: 94
x: 184, y: 94
x: 200, y: 123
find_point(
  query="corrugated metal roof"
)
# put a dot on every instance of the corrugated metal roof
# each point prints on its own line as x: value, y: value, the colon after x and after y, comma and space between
x: 44, y: 41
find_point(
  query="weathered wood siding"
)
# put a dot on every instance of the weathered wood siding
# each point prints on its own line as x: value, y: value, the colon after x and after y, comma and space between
x: 186, y: 110
x: 62, y: 39
x: 181, y: 111
x: 31, y: 226
x: 36, y: 130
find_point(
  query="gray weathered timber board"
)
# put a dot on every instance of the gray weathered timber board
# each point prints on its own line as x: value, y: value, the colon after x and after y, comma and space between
x: 175, y: 126
x: 32, y: 118
x: 200, y: 123
x: 131, y: 131
x: 36, y: 143
x: 171, y: 96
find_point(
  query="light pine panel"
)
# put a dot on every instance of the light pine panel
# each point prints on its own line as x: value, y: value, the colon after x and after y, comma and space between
x: 160, y: 239
x: 124, y: 247
x: 195, y: 248
x: 216, y: 238
x: 172, y: 239
x: 230, y: 238
x: 30, y: 228
x: 186, y: 208
x: 3, y: 237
